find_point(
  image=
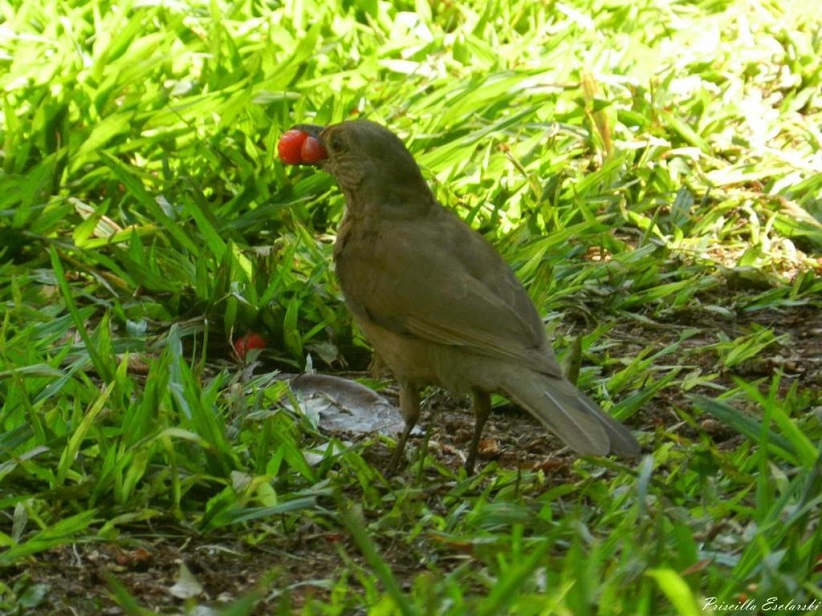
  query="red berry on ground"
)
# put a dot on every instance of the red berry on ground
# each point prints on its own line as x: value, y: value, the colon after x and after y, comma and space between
x: 312, y: 151
x: 289, y: 146
x: 250, y: 341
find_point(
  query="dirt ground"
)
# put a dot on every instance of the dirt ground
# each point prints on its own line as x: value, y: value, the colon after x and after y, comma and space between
x: 298, y: 566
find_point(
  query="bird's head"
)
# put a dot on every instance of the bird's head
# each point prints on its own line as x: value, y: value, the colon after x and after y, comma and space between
x: 371, y: 165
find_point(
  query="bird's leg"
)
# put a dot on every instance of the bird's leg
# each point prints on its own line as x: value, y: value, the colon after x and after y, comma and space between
x: 410, y: 407
x: 482, y: 409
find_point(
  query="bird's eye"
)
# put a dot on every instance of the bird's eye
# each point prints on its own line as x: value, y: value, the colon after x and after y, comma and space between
x: 336, y: 144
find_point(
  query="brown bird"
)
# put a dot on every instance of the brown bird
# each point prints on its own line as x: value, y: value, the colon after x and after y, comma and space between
x: 438, y: 303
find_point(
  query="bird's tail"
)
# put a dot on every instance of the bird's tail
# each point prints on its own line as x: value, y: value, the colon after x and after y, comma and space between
x: 569, y: 413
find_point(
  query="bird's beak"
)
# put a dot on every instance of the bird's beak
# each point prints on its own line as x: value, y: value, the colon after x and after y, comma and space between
x: 311, y: 129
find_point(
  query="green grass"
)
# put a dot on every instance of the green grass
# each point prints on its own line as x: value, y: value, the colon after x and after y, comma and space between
x: 652, y: 171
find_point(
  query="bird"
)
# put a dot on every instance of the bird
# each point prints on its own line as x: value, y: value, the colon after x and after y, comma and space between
x: 437, y: 301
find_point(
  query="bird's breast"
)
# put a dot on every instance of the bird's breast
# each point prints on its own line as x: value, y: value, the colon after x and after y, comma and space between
x: 354, y: 249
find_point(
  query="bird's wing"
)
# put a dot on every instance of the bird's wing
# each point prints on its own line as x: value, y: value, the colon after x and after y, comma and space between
x: 436, y: 279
